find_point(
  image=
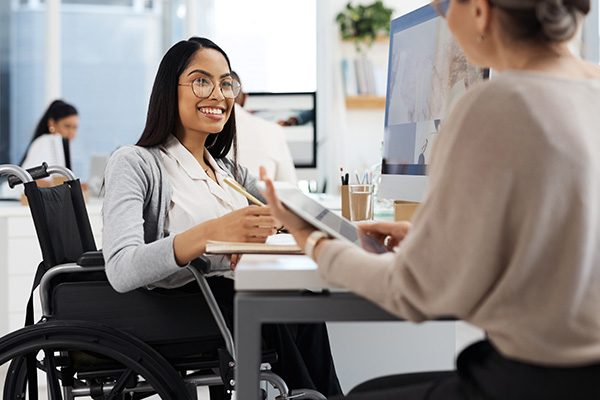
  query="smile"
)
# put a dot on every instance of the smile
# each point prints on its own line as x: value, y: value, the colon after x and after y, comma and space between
x: 211, y: 110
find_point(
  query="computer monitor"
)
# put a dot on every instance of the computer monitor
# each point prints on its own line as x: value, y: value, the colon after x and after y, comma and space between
x: 301, y: 137
x: 427, y: 72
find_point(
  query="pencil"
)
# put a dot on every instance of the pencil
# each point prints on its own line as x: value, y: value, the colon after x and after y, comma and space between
x: 243, y: 191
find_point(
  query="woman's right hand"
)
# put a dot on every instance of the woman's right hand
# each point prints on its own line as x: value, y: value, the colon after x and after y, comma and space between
x: 248, y: 224
x: 388, y: 233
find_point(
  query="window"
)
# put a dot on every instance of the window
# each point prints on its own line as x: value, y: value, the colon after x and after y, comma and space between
x: 110, y: 51
x: 272, y: 44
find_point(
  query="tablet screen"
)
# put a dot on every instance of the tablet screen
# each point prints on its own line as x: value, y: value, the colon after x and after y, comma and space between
x: 326, y: 220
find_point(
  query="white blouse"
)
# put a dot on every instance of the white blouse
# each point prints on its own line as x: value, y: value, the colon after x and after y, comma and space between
x: 46, y: 148
x: 196, y: 198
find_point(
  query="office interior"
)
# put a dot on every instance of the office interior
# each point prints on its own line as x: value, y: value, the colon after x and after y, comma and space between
x: 101, y: 55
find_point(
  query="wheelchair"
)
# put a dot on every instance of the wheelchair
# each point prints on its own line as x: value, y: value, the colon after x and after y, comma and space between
x: 94, y: 342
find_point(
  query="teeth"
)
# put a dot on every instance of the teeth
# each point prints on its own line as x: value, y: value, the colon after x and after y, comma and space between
x: 211, y: 110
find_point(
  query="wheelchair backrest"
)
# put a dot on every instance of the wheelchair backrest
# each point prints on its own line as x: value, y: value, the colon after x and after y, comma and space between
x: 61, y: 222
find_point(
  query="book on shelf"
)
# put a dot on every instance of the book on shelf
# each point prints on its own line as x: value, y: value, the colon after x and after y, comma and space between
x: 276, y: 244
x: 361, y: 77
x: 349, y: 77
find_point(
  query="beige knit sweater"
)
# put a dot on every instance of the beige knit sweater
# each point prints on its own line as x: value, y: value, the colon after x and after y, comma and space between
x: 508, y: 237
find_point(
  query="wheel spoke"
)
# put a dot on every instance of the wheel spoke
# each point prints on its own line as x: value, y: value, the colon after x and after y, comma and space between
x: 120, y: 384
x: 52, y: 375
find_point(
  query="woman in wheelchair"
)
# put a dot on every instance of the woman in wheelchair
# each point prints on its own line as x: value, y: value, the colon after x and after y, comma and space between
x: 165, y: 197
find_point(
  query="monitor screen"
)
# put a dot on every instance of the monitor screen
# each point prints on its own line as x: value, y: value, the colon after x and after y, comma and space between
x: 301, y: 134
x: 427, y: 72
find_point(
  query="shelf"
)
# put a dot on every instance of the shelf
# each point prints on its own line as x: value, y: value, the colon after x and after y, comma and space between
x: 370, y: 102
x: 378, y: 39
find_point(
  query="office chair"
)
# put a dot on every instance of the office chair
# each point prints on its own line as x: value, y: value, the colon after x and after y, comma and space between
x: 93, y: 341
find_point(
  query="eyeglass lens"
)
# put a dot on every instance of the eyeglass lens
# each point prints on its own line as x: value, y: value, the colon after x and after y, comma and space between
x: 441, y: 7
x: 203, y: 87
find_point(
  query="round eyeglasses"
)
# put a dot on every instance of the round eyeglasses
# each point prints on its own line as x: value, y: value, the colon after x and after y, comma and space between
x: 203, y: 87
x: 441, y: 7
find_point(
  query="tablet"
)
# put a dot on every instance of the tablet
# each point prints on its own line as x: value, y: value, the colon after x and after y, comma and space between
x: 324, y: 219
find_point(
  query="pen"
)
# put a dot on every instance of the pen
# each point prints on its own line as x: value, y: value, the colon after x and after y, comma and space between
x: 243, y: 191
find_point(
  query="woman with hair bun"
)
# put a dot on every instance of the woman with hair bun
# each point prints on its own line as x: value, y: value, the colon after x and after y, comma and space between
x: 507, y: 237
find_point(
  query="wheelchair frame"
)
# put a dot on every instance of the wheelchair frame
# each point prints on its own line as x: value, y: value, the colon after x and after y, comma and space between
x: 141, y: 370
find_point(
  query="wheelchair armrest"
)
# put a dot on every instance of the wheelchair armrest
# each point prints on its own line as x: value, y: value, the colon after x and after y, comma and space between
x: 91, y: 259
x: 201, y: 264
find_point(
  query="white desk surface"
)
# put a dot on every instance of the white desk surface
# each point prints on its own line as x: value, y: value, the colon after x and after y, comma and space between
x: 278, y: 272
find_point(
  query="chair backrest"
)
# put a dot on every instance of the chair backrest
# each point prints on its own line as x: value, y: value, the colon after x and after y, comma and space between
x: 61, y: 222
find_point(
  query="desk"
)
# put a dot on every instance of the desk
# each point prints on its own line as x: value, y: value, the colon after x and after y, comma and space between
x: 269, y: 289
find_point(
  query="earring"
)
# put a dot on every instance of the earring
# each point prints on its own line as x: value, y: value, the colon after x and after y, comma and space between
x: 480, y: 38
x: 51, y: 129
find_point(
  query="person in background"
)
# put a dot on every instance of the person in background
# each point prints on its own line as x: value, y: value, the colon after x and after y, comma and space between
x: 507, y: 235
x: 166, y: 197
x: 262, y: 142
x: 301, y: 118
x: 59, y: 122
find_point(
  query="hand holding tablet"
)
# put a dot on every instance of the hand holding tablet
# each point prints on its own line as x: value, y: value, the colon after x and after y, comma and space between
x: 323, y: 219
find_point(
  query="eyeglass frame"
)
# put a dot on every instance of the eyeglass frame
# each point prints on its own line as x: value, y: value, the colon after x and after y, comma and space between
x: 213, y: 87
x: 440, y: 11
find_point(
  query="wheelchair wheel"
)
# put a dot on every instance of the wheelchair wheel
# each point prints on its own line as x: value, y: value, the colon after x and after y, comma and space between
x: 84, y: 359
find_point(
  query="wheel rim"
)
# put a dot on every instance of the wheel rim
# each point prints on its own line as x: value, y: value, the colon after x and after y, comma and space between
x: 50, y: 337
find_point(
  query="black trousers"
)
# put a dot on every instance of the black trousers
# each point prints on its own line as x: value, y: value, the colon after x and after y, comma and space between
x: 483, y: 373
x: 304, y: 354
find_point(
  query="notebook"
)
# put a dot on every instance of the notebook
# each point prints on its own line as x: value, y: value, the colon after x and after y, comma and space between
x: 276, y: 244
x: 217, y: 247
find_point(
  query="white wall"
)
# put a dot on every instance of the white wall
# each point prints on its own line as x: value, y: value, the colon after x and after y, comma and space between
x: 348, y: 138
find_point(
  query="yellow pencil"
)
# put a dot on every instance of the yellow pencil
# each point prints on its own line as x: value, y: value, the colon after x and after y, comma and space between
x: 243, y: 191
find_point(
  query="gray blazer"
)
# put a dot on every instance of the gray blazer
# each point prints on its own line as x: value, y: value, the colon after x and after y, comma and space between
x: 136, y: 203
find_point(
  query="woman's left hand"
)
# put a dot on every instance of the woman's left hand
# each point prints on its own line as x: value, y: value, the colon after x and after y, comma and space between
x: 293, y: 224
x: 234, y: 260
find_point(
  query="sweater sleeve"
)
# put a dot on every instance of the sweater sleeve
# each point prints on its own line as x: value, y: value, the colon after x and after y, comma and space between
x: 133, y: 259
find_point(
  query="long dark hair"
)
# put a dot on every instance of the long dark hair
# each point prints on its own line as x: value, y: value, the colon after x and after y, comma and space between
x: 162, y: 109
x: 57, y: 110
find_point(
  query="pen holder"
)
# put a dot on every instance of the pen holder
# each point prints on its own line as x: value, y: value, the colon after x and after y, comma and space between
x: 345, y: 202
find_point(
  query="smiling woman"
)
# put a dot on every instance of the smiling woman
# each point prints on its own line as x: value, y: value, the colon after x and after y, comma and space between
x: 159, y: 215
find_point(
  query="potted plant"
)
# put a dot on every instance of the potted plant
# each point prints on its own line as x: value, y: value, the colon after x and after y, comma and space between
x: 363, y: 23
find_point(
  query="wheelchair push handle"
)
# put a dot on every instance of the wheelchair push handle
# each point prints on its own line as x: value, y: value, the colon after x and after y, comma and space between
x: 18, y: 175
x: 14, y: 172
x: 35, y: 173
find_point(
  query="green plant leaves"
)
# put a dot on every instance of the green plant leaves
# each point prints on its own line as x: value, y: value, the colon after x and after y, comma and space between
x: 364, y: 22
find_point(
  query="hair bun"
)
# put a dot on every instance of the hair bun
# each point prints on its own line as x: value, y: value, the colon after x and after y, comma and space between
x: 559, y: 21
